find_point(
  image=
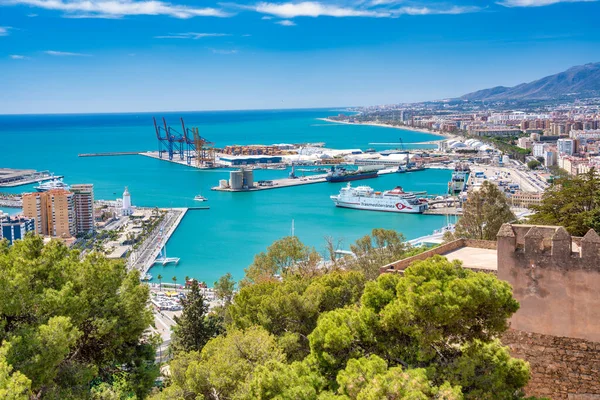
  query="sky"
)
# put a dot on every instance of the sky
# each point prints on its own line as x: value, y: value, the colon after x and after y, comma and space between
x: 86, y: 56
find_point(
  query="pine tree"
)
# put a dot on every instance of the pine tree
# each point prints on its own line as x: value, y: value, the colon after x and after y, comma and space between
x: 195, y: 326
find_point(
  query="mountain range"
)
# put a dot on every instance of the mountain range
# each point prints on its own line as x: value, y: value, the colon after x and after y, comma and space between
x: 582, y: 81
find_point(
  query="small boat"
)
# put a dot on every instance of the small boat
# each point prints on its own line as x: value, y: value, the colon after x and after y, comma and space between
x: 200, y: 198
x: 147, y: 277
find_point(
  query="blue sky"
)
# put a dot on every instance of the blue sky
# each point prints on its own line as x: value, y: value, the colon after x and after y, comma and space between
x: 61, y: 56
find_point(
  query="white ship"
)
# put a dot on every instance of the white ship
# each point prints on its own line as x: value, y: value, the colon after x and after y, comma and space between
x: 55, y: 183
x: 365, y: 198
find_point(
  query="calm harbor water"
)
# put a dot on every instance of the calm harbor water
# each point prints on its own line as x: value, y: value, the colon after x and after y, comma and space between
x: 238, y: 225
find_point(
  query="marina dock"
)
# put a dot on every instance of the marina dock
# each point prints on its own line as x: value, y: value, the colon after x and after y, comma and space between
x: 143, y: 258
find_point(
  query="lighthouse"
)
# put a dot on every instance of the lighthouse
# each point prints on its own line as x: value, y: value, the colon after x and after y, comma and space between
x: 127, y: 210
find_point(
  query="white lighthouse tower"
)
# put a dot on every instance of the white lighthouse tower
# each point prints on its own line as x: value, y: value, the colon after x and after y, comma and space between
x: 127, y: 210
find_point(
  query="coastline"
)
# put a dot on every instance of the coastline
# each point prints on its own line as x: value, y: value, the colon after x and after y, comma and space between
x: 443, y: 136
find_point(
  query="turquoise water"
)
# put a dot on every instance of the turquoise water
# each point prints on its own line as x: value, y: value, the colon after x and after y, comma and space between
x: 238, y: 225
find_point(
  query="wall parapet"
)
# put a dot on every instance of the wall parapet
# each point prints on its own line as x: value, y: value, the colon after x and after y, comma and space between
x: 554, y: 278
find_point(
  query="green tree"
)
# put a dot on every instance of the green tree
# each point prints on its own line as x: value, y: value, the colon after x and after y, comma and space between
x: 224, y: 288
x: 70, y: 321
x: 572, y: 202
x: 13, y: 384
x: 290, y: 309
x: 195, y: 327
x: 286, y: 255
x: 433, y: 311
x: 223, y: 366
x: 484, y: 212
x: 174, y: 279
x: 159, y: 277
x: 371, y: 252
x: 533, y: 164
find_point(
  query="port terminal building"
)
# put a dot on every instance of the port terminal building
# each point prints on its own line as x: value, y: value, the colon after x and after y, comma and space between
x: 249, y: 160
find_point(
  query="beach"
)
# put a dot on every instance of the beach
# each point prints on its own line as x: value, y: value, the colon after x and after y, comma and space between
x: 405, y: 128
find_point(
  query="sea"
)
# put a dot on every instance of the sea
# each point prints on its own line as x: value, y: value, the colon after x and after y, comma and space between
x: 237, y: 226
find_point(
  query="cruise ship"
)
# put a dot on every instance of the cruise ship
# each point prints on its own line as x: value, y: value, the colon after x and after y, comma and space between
x: 53, y: 184
x: 340, y: 174
x: 366, y: 198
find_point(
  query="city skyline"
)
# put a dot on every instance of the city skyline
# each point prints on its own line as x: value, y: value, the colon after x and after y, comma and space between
x: 135, y: 56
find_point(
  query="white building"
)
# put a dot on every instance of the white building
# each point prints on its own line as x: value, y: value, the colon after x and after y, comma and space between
x: 127, y: 209
x: 549, y: 159
x: 566, y: 146
x: 538, y: 149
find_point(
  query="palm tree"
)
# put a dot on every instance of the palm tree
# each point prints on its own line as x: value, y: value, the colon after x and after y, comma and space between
x: 187, y: 279
x: 159, y: 277
x: 175, y: 282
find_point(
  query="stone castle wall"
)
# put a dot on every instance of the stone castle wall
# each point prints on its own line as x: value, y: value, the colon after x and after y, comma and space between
x: 561, y: 367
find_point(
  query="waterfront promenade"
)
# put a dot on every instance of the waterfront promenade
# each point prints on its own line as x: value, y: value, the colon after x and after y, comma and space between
x: 143, y: 258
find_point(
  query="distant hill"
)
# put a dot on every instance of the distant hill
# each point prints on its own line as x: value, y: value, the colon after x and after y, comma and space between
x: 580, y: 81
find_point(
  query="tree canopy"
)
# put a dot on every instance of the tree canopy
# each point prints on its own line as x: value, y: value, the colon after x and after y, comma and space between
x: 484, y: 212
x: 429, y: 334
x: 286, y: 255
x: 69, y: 324
x: 572, y: 202
x: 533, y: 164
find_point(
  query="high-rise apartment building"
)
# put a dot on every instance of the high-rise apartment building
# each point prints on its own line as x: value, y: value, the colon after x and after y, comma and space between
x: 34, y: 207
x: 83, y: 199
x: 53, y: 212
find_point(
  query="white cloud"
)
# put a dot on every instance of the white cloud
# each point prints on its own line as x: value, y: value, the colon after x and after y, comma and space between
x: 4, y: 30
x: 537, y: 3
x: 119, y: 8
x: 432, y: 11
x: 315, y: 9
x: 374, y: 9
x: 18, y: 57
x: 64, y: 54
x: 286, y: 22
x: 222, y: 51
x: 32, y: 15
x: 191, y: 35
x: 267, y: 17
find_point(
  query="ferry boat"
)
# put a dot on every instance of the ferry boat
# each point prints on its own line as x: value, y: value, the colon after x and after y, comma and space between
x: 200, y: 198
x: 55, y: 183
x: 457, y: 183
x: 340, y: 174
x: 365, y: 198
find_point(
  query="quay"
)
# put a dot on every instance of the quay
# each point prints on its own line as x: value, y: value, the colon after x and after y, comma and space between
x: 176, y: 160
x: 276, y: 184
x: 443, y: 211
x: 18, y: 177
x: 114, y: 153
x: 11, y: 200
x: 143, y: 258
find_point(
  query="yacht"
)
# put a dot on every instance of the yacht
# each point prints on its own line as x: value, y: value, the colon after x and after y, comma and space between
x: 55, y: 183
